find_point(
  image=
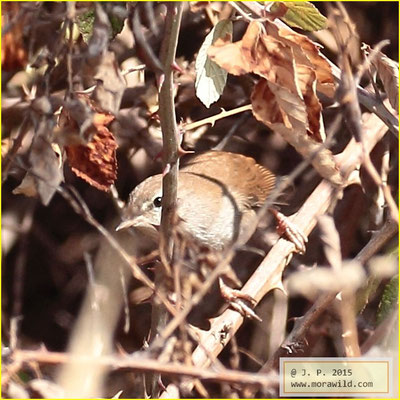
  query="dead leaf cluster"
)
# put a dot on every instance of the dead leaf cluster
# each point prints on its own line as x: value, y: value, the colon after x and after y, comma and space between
x: 291, y: 71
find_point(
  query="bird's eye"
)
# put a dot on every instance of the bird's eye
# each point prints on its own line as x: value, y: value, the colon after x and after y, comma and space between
x: 157, y: 202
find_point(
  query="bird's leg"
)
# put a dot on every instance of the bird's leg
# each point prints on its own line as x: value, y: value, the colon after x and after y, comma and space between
x: 238, y: 300
x: 289, y: 230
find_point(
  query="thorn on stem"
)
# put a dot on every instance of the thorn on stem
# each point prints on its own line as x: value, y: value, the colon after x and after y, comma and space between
x: 166, y: 169
x: 176, y: 67
x: 182, y: 152
x: 160, y: 81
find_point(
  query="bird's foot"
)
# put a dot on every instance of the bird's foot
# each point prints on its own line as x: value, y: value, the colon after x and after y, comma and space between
x: 239, y: 301
x: 288, y: 229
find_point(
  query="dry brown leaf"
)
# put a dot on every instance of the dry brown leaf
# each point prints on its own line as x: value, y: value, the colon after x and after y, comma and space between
x: 274, y: 104
x: 285, y: 100
x: 45, y: 173
x: 287, y: 59
x: 388, y: 71
x: 13, y: 52
x: 307, y: 83
x: 94, y: 161
x: 307, y: 53
x: 264, y: 48
x: 256, y: 53
x: 223, y: 54
x: 270, y: 105
x: 265, y: 107
x: 27, y: 187
x: 6, y: 145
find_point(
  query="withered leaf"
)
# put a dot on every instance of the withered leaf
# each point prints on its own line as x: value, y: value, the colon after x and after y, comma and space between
x: 27, y: 187
x: 274, y: 104
x: 272, y: 52
x: 223, y: 54
x: 96, y: 161
x: 284, y: 58
x: 388, y: 71
x: 285, y: 99
x: 13, y: 52
x: 45, y: 173
x: 307, y: 83
x: 306, y: 52
x: 288, y: 117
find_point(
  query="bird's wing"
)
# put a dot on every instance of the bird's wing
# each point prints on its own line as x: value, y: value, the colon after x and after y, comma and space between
x: 241, y: 174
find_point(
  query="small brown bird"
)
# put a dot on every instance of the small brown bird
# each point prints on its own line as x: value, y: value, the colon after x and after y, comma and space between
x: 218, y: 197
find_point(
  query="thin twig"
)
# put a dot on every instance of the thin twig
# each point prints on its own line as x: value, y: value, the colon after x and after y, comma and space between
x: 384, y: 330
x: 22, y: 131
x: 144, y: 364
x: 211, y: 120
x: 346, y: 311
x: 151, y: 60
x: 373, y: 173
x: 246, y: 16
x: 301, y: 328
x: 228, y: 136
x: 377, y: 241
x: 19, y: 273
x: 136, y: 68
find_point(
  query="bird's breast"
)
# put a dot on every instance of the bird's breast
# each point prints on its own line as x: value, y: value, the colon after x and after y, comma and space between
x: 209, y: 212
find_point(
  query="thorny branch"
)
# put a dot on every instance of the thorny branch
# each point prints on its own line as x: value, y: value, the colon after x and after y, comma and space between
x: 268, y: 274
x: 171, y: 145
x: 303, y: 324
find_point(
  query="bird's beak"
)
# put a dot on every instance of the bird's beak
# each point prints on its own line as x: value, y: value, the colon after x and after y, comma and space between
x: 125, y: 224
x: 138, y: 221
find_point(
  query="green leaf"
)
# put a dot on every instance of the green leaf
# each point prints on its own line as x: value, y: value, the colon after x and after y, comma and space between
x: 299, y: 14
x: 117, y: 24
x: 389, y: 299
x: 85, y: 25
x: 210, y: 77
